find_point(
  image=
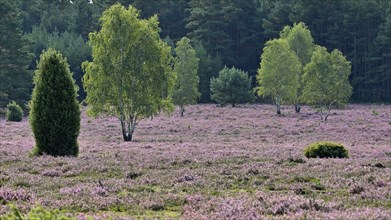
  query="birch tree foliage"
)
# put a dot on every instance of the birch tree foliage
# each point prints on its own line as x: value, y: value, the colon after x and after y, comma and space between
x: 130, y: 76
x: 301, y: 42
x: 326, y: 80
x: 186, y: 67
x: 278, y: 74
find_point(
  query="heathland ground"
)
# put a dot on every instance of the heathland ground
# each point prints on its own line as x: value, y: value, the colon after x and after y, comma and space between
x: 213, y: 163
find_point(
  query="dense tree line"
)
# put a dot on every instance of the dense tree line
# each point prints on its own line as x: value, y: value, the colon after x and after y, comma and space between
x: 222, y: 32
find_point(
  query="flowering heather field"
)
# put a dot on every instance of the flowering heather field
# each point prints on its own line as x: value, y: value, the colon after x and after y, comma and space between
x: 214, y: 163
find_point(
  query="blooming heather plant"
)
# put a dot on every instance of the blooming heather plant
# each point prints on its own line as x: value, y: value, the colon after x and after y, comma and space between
x: 216, y: 163
x: 8, y: 195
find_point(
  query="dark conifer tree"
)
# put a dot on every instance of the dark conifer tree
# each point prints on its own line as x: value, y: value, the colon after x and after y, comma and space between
x: 55, y: 112
x: 15, y: 79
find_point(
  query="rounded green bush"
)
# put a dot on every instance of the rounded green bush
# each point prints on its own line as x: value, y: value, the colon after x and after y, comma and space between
x: 14, y: 112
x: 232, y: 86
x: 326, y: 150
x: 54, y: 111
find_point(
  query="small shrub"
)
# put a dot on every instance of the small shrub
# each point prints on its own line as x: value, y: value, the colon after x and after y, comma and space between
x: 326, y: 150
x: 133, y: 175
x: 14, y: 112
x: 356, y: 189
x: 379, y: 165
x: 296, y: 160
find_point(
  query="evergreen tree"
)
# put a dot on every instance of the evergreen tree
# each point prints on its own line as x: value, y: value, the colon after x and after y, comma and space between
x: 14, y: 112
x: 356, y: 37
x: 207, y: 24
x: 382, y: 54
x: 229, y: 29
x: 208, y: 67
x: 31, y: 12
x: 186, y: 66
x: 244, y: 23
x: 15, y: 79
x: 276, y: 15
x: 59, y: 16
x: 54, y: 110
x: 86, y: 17
x: 172, y: 15
x: 232, y: 86
x: 71, y: 45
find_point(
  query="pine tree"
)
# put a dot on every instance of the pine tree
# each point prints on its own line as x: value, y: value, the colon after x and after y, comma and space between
x: 15, y: 79
x: 207, y: 24
x: 71, y: 45
x: 55, y: 112
x: 232, y: 86
x: 209, y: 66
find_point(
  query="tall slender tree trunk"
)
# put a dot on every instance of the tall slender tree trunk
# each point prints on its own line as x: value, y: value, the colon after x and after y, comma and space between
x: 328, y: 113
x: 297, y: 108
x: 278, y: 109
x: 182, y: 109
x: 278, y: 104
x: 127, y: 131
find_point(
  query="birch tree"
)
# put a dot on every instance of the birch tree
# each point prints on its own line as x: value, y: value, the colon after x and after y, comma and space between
x: 278, y: 74
x: 301, y: 42
x: 326, y: 80
x: 130, y: 76
x: 186, y: 67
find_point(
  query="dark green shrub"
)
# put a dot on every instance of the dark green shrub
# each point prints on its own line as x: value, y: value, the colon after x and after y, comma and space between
x: 232, y: 86
x: 325, y: 150
x: 14, y: 112
x: 54, y: 111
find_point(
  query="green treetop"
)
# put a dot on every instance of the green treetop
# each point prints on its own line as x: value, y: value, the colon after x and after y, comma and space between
x: 326, y: 80
x: 278, y: 74
x: 301, y: 42
x: 186, y: 66
x: 232, y: 86
x: 130, y: 77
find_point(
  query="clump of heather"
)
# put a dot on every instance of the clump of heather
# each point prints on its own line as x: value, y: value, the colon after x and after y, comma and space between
x: 8, y: 195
